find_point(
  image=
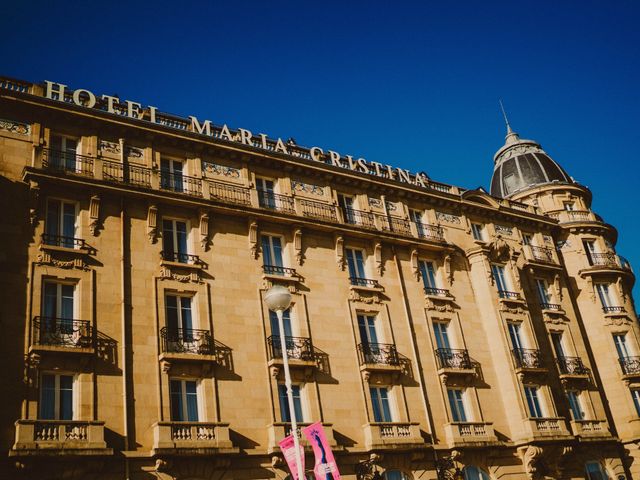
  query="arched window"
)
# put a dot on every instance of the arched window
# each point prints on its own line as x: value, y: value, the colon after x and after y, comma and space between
x: 472, y: 472
x: 396, y: 475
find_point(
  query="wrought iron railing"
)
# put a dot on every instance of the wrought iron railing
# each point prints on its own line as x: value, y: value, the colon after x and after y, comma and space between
x: 429, y: 232
x: 62, y: 332
x: 130, y: 174
x: 358, y: 217
x: 63, y: 241
x: 67, y: 161
x: 542, y: 254
x: 439, y: 292
x: 551, y: 306
x: 298, y: 348
x: 274, y: 201
x: 181, y: 340
x: 527, y: 358
x: 229, y: 193
x: 378, y: 354
x: 180, y: 257
x: 318, y: 210
x: 277, y: 270
x: 395, y: 224
x: 603, y: 259
x: 613, y: 309
x: 453, y: 358
x: 572, y: 366
x: 364, y: 282
x: 509, y: 295
x: 630, y: 365
x: 180, y: 183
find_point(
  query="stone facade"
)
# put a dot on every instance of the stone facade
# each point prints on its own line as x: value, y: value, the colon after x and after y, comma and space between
x: 114, y: 229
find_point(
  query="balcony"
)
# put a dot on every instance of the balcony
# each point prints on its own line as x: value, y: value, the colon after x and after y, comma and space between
x: 528, y: 360
x: 510, y: 296
x: 181, y: 258
x: 300, y: 352
x: 470, y: 434
x: 60, y: 241
x: 61, y: 335
x: 392, y: 435
x: 279, y: 430
x: 364, y: 283
x: 180, y: 183
x: 552, y: 308
x: 191, y: 438
x: 59, y: 437
x: 379, y: 357
x: 129, y: 174
x: 575, y: 216
x: 630, y: 367
x: 358, y: 217
x: 590, y: 429
x: 552, y: 428
x: 273, y: 201
x: 572, y: 368
x: 613, y: 309
x: 67, y: 162
x: 318, y: 210
x: 540, y: 255
x: 232, y: 194
x: 278, y: 271
x: 437, y: 292
x: 397, y: 225
x: 433, y: 233
x: 187, y: 341
x: 454, y: 362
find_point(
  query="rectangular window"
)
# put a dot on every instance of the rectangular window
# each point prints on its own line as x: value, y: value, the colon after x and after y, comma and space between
x: 171, y: 175
x: 416, y: 217
x: 569, y: 206
x: 272, y: 251
x: 499, y: 277
x: 543, y: 291
x: 527, y: 239
x: 57, y: 314
x: 63, y: 153
x: 174, y: 241
x: 284, y: 403
x: 440, y: 330
x: 56, y: 397
x: 514, y: 335
x: 635, y: 395
x: 345, y: 202
x: 380, y: 404
x: 558, y: 347
x: 535, y: 410
x: 428, y: 273
x: 367, y: 329
x: 603, y: 294
x: 60, y: 228
x: 594, y: 471
x: 266, y: 193
x: 589, y: 249
x: 179, y: 316
x: 456, y: 403
x: 355, y: 262
x: 478, y: 231
x: 620, y: 341
x: 286, y: 320
x: 184, y: 400
x: 575, y: 405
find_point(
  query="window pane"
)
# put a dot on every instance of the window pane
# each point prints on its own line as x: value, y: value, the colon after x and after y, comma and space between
x: 181, y: 237
x: 384, y: 400
x: 172, y: 312
x: 595, y: 471
x: 266, y: 250
x: 185, y: 309
x: 50, y: 300
x: 66, y: 397
x: 176, y: 400
x: 635, y: 394
x: 69, y: 222
x: 192, y: 401
x: 277, y: 251
x: 53, y: 217
x: 375, y: 404
x: 48, y: 397
x: 167, y: 236
x: 359, y: 264
x: 351, y: 263
x: 66, y: 302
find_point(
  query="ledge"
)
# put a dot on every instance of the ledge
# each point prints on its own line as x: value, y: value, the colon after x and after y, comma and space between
x: 470, y: 434
x: 192, y: 438
x: 393, y: 436
x: 59, y: 438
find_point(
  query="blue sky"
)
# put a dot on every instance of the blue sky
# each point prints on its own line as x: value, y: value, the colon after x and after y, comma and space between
x: 413, y: 84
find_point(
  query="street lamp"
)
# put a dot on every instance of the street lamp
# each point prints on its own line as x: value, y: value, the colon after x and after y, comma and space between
x: 278, y: 299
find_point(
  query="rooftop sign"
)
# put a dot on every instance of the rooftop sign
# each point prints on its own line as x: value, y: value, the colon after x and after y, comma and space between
x: 127, y: 108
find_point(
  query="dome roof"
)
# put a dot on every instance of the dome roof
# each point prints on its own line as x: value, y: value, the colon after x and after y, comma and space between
x: 522, y: 164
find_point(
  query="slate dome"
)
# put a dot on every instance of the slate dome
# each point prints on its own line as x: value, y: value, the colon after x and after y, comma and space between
x: 521, y: 164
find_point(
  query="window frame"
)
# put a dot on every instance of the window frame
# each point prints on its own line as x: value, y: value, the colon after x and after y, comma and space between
x: 477, y: 231
x: 457, y: 398
x: 430, y: 274
x: 283, y: 401
x: 272, y: 255
x: 184, y: 399
x: 175, y: 244
x: 179, y: 310
x: 391, y: 406
x: 532, y: 393
x: 364, y: 273
x: 57, y: 395
x: 60, y: 218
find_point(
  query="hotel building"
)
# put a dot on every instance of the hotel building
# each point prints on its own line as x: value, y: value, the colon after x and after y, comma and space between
x: 436, y: 332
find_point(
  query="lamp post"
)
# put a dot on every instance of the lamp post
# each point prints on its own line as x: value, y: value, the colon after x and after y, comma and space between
x: 278, y: 299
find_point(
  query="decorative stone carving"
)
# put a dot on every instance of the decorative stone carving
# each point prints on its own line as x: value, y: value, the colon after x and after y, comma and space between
x: 499, y: 250
x: 448, y: 271
x: 557, y: 286
x: 45, y: 258
x: 391, y: 207
x: 94, y: 215
x: 12, y: 126
x: 152, y: 223
x: 621, y: 290
x: 254, y: 248
x: 34, y: 195
x: 205, y: 239
x: 531, y: 456
x: 134, y: 152
x: 441, y: 307
x: 299, y: 186
x: 356, y: 296
x: 377, y: 256
x: 167, y: 273
x: 109, y: 147
x: 448, y: 217
x: 297, y: 245
x: 375, y: 202
x: 215, y: 169
x: 414, y: 264
x: 340, y: 252
x: 504, y: 230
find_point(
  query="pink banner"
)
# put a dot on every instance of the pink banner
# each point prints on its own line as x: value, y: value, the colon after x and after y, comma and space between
x: 325, y: 467
x: 289, y: 451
